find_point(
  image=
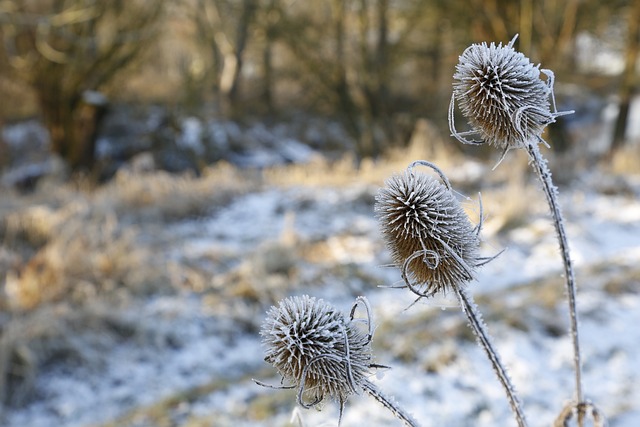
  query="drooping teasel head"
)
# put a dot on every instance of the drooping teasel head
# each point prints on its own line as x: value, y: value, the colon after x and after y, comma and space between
x: 316, y: 349
x: 429, y: 235
x: 502, y: 96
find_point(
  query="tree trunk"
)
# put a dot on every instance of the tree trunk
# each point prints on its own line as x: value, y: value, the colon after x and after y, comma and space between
x: 73, y: 128
x: 267, y: 90
x: 629, y: 83
x: 267, y: 56
x: 230, y: 80
x: 346, y: 103
x: 384, y: 109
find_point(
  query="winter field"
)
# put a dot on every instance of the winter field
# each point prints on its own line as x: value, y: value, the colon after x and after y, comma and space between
x: 138, y: 303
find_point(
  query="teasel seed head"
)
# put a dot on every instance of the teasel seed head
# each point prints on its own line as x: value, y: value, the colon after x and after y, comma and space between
x: 429, y: 235
x: 316, y: 349
x: 582, y: 410
x: 500, y: 93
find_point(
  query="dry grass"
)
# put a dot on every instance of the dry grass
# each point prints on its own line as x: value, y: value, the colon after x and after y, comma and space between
x: 69, y: 248
x: 426, y: 143
x: 510, y: 198
x: 32, y: 339
x: 69, y: 252
x: 87, y: 256
x: 510, y: 206
x: 508, y: 194
x: 161, y: 196
x: 74, y: 244
x: 626, y: 160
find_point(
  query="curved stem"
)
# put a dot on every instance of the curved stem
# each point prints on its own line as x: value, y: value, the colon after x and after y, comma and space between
x: 405, y: 269
x: 460, y: 136
x: 441, y: 174
x: 484, y: 339
x: 550, y: 191
x: 389, y: 403
x: 365, y: 302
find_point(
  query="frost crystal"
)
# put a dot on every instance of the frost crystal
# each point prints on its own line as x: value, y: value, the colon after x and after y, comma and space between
x: 427, y: 231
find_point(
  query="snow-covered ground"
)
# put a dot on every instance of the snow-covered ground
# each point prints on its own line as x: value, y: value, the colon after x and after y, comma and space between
x: 188, y: 358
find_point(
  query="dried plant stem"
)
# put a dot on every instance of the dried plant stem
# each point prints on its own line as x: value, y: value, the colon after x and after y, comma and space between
x: 479, y: 329
x: 389, y: 403
x: 550, y: 191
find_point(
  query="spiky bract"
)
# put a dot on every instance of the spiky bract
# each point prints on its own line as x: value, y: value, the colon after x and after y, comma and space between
x: 501, y: 94
x: 312, y: 345
x: 419, y: 215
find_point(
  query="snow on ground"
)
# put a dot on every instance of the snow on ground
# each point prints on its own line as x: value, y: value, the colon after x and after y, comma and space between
x: 203, y: 349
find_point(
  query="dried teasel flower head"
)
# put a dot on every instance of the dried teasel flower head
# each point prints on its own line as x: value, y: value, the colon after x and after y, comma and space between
x: 580, y: 411
x: 317, y: 349
x: 429, y: 235
x: 502, y: 96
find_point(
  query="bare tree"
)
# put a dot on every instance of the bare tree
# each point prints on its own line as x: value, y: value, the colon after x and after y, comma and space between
x: 224, y: 28
x: 67, y: 50
x: 346, y: 56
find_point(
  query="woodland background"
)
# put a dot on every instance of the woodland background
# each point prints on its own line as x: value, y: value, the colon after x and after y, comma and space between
x: 169, y: 170
x: 377, y: 67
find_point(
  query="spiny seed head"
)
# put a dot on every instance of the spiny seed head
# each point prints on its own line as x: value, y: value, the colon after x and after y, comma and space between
x: 307, y: 336
x: 418, y: 213
x: 501, y: 94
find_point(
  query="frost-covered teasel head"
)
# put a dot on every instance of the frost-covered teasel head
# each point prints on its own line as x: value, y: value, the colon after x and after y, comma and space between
x: 429, y: 235
x: 502, y: 96
x: 582, y: 410
x: 317, y: 349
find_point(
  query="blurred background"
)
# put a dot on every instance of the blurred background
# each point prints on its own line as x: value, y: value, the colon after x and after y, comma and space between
x: 169, y: 170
